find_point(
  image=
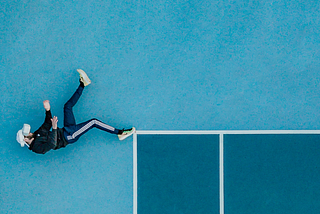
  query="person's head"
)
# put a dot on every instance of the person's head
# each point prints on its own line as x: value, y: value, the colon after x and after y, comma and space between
x: 24, y: 136
x: 28, y: 139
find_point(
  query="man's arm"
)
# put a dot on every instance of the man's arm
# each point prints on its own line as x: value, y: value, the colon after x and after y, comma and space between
x: 47, y: 122
x: 53, y: 135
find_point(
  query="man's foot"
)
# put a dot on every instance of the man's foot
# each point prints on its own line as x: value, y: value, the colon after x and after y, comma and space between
x: 83, y: 77
x: 126, y: 133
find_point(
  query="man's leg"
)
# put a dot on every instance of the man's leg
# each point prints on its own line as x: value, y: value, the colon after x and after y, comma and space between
x: 69, y: 119
x: 75, y: 132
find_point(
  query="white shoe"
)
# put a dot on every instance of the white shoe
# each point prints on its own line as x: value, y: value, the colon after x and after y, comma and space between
x: 83, y: 77
x: 126, y: 133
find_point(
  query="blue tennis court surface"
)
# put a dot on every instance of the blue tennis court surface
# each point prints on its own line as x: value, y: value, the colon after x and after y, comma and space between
x: 178, y: 174
x: 158, y: 65
x: 226, y: 172
x: 272, y: 174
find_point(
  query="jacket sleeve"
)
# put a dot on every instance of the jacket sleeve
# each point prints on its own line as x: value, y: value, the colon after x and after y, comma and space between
x: 53, y: 137
x: 47, y: 122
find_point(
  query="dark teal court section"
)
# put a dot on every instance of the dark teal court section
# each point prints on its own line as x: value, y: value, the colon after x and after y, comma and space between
x: 178, y: 174
x: 272, y: 174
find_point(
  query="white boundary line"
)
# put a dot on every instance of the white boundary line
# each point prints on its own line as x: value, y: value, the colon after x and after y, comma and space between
x: 181, y: 132
x: 221, y: 173
x: 135, y: 174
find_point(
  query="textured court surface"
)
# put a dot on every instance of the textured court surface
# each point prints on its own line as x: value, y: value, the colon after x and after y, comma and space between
x: 178, y: 174
x: 272, y: 174
x: 164, y: 65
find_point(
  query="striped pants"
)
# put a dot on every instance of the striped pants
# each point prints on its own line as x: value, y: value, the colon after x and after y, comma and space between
x: 73, y: 131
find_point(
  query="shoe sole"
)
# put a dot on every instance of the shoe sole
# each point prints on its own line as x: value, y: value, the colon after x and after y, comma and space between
x: 125, y: 136
x: 86, y: 80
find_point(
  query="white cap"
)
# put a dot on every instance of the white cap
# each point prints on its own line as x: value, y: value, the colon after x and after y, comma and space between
x: 23, y: 132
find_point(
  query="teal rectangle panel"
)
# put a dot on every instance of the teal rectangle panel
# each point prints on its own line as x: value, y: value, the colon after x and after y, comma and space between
x: 178, y: 174
x: 276, y: 174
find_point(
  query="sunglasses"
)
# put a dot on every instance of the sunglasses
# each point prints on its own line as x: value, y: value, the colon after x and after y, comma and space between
x: 28, y: 137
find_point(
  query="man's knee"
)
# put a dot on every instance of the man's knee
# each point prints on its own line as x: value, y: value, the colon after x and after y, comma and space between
x: 94, y: 120
x: 67, y: 106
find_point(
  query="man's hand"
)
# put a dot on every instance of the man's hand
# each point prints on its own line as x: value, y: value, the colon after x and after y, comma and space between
x: 46, y: 105
x: 54, y: 121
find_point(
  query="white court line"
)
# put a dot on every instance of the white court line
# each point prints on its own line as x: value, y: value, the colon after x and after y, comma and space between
x: 221, y: 173
x: 159, y: 132
x: 135, y: 174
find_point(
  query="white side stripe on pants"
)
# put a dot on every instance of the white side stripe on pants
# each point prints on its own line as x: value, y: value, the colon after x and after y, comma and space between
x: 87, y: 126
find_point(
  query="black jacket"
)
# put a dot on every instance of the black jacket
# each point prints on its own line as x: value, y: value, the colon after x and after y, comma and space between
x: 45, y: 140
